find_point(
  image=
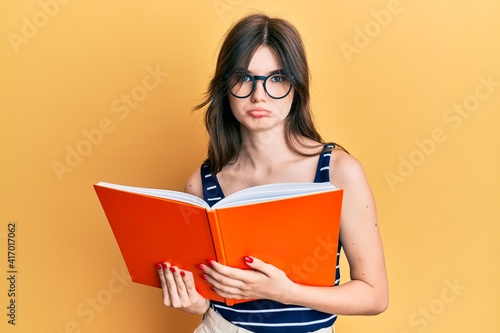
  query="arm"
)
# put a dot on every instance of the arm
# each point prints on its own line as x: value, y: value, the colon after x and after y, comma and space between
x: 366, y: 293
x: 178, y: 288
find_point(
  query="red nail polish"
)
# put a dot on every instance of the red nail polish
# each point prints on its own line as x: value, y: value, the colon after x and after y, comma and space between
x: 172, y: 269
x: 200, y: 266
x: 158, y: 266
x: 211, y: 262
x: 204, y: 277
x: 183, y: 274
x: 164, y: 265
x: 248, y: 259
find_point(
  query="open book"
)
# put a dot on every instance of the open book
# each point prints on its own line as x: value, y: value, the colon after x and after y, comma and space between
x: 294, y: 226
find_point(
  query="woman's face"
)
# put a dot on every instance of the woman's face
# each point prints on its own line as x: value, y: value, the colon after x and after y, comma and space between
x: 260, y: 112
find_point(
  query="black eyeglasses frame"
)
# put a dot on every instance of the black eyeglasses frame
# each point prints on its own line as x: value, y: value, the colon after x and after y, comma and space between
x: 264, y: 79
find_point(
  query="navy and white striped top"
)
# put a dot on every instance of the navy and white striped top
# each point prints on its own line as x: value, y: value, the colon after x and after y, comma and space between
x: 266, y: 316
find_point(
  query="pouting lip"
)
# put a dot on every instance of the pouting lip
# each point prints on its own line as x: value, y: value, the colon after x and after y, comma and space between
x: 258, y: 113
x: 258, y: 110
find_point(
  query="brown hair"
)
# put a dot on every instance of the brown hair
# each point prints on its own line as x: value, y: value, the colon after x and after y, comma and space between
x: 237, y: 50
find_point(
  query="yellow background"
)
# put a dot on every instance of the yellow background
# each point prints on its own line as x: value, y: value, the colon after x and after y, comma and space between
x: 388, y: 79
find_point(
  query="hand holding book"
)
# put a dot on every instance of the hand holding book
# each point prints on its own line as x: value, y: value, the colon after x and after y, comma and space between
x: 179, y: 290
x: 260, y: 281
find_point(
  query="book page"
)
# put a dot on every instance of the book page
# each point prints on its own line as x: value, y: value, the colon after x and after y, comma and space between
x: 271, y: 192
x: 159, y: 193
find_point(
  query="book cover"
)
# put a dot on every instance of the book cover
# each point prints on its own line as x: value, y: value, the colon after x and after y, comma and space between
x: 293, y: 226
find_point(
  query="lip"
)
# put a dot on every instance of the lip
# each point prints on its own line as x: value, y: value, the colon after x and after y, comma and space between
x: 258, y: 113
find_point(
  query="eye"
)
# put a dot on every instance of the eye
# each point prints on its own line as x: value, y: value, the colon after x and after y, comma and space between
x: 278, y: 78
x: 241, y: 77
x: 246, y: 78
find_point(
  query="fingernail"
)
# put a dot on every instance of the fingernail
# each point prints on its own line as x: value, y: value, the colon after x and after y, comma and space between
x: 183, y: 274
x: 164, y: 265
x: 200, y: 266
x: 172, y: 269
x: 158, y: 266
x: 204, y: 277
x: 248, y: 259
x: 211, y: 262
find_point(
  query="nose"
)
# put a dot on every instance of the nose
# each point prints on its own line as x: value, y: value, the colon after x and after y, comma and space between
x: 259, y: 92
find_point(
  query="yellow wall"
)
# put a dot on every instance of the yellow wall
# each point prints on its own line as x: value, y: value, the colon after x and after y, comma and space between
x: 102, y: 90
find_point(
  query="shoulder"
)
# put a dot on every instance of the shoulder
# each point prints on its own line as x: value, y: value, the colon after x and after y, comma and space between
x: 346, y: 171
x: 193, y: 184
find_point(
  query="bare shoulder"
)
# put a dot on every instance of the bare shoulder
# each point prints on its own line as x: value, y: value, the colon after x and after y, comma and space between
x: 358, y: 207
x: 193, y: 184
x: 346, y: 171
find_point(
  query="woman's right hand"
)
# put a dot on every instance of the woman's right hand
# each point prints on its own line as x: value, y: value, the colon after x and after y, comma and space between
x: 179, y: 291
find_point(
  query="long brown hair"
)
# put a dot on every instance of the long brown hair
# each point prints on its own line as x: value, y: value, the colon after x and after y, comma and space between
x: 239, y: 45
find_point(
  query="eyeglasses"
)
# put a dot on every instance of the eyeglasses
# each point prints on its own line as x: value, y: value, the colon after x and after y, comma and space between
x: 276, y: 84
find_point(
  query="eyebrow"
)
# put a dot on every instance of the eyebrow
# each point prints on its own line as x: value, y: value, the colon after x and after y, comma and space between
x: 276, y: 71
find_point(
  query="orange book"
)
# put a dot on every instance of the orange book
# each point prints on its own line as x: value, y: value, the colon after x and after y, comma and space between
x: 294, y: 226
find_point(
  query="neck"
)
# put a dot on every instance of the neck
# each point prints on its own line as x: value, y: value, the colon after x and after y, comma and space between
x: 264, y: 148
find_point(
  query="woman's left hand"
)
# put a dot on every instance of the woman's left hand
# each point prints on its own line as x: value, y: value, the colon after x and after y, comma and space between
x: 262, y: 281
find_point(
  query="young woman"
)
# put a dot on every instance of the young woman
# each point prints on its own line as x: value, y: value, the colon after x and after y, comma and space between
x: 261, y: 131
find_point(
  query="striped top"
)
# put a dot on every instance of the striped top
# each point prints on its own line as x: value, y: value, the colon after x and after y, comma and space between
x: 266, y: 316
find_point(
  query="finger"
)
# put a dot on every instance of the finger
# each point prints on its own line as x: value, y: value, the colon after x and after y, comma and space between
x: 219, y: 271
x: 259, y: 265
x: 171, y: 285
x: 163, y: 284
x: 224, y: 285
x: 193, y: 295
x: 180, y: 285
x: 161, y: 276
x: 228, y: 292
x: 190, y: 286
x: 220, y: 275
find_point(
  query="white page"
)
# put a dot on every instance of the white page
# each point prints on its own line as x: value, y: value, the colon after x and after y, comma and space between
x: 270, y: 192
x: 249, y: 195
x: 167, y: 194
